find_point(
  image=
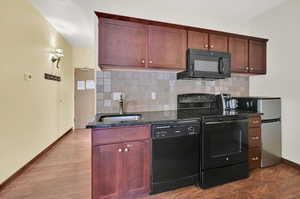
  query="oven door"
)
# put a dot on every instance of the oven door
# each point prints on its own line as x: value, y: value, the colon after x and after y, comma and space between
x: 224, y: 142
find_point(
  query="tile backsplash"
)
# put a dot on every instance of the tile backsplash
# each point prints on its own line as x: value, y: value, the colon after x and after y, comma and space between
x: 141, y: 87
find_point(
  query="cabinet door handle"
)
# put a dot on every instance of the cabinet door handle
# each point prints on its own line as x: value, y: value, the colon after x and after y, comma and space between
x: 255, y: 122
x: 126, y: 150
x: 247, y: 68
x: 143, y: 61
x: 129, y: 145
x: 212, y: 46
x: 256, y: 158
x: 120, y: 150
x: 255, y: 138
x: 206, y: 46
x: 252, y: 69
x: 150, y: 62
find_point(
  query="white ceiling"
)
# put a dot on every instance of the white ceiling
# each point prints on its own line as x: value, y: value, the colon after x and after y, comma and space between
x: 75, y: 19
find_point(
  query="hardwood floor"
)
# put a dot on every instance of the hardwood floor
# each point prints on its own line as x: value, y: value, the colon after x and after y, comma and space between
x: 64, y: 173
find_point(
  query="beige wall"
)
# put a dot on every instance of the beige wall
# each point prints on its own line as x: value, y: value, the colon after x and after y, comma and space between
x: 281, y: 26
x: 33, y: 113
x: 84, y: 57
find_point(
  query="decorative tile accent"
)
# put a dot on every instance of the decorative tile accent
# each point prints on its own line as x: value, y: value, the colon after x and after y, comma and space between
x: 138, y: 86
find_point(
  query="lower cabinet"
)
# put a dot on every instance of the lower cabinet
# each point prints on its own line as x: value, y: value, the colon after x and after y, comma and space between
x: 107, y: 172
x: 254, y: 142
x: 121, y: 170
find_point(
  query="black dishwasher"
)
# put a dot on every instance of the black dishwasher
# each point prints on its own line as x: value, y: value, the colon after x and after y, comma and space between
x: 175, y: 155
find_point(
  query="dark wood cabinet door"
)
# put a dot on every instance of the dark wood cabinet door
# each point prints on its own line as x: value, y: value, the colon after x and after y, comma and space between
x: 238, y: 49
x: 122, y: 43
x: 136, y: 168
x: 167, y: 47
x: 218, y: 43
x: 257, y: 57
x: 198, y: 40
x: 107, y: 171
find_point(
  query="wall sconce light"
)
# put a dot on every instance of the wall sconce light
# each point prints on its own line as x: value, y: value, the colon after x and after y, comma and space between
x: 57, y: 56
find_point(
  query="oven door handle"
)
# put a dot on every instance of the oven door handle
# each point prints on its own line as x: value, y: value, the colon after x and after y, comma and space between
x: 225, y: 122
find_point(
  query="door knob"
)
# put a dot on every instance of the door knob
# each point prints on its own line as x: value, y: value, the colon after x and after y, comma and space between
x: 126, y: 150
x: 252, y: 69
x: 206, y: 46
x: 143, y: 61
x: 120, y: 150
x: 150, y: 62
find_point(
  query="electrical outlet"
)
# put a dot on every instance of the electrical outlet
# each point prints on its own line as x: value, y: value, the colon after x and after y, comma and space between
x: 27, y: 76
x: 153, y: 96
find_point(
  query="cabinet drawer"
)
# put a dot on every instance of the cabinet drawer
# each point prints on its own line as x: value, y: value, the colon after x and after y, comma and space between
x: 255, y: 121
x: 254, y: 141
x: 254, y: 158
x: 254, y: 137
x: 254, y: 132
x: 119, y: 134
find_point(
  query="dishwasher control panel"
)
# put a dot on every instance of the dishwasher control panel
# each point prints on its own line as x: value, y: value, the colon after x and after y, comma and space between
x: 175, y: 129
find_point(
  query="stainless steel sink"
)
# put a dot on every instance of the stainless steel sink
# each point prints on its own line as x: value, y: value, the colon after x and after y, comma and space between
x: 120, y: 118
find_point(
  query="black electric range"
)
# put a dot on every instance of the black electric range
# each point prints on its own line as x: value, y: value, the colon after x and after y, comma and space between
x: 223, y: 139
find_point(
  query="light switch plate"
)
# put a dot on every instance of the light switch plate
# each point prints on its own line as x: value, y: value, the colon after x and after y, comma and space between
x: 117, y: 96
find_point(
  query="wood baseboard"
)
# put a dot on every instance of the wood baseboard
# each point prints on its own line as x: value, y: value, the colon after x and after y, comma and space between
x: 290, y: 163
x: 26, y: 166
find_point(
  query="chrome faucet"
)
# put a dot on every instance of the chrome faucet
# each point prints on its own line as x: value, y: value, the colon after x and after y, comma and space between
x: 121, y: 105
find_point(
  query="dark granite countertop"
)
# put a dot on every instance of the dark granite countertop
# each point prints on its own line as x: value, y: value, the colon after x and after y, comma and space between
x: 165, y: 116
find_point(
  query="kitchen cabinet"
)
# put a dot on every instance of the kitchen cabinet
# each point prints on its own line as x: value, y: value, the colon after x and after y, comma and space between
x: 218, y: 42
x: 198, y: 40
x: 122, y: 43
x: 206, y: 41
x: 120, y: 162
x: 107, y: 171
x: 167, y: 47
x: 132, y: 43
x: 257, y: 57
x: 254, y: 142
x: 137, y: 45
x: 238, y: 48
x: 136, y: 168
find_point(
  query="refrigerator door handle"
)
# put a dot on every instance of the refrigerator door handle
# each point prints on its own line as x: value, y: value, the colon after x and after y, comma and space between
x: 271, y: 120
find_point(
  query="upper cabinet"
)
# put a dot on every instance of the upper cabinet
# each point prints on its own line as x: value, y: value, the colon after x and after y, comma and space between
x: 218, y: 42
x: 206, y: 41
x: 131, y: 43
x: 167, y: 48
x: 257, y: 57
x: 238, y: 49
x: 198, y: 40
x: 122, y: 43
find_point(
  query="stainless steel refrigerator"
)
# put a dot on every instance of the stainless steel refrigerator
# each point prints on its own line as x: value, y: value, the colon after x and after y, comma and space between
x: 271, y: 130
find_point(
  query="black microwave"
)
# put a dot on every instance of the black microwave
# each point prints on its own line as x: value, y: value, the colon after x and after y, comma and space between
x: 206, y: 64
